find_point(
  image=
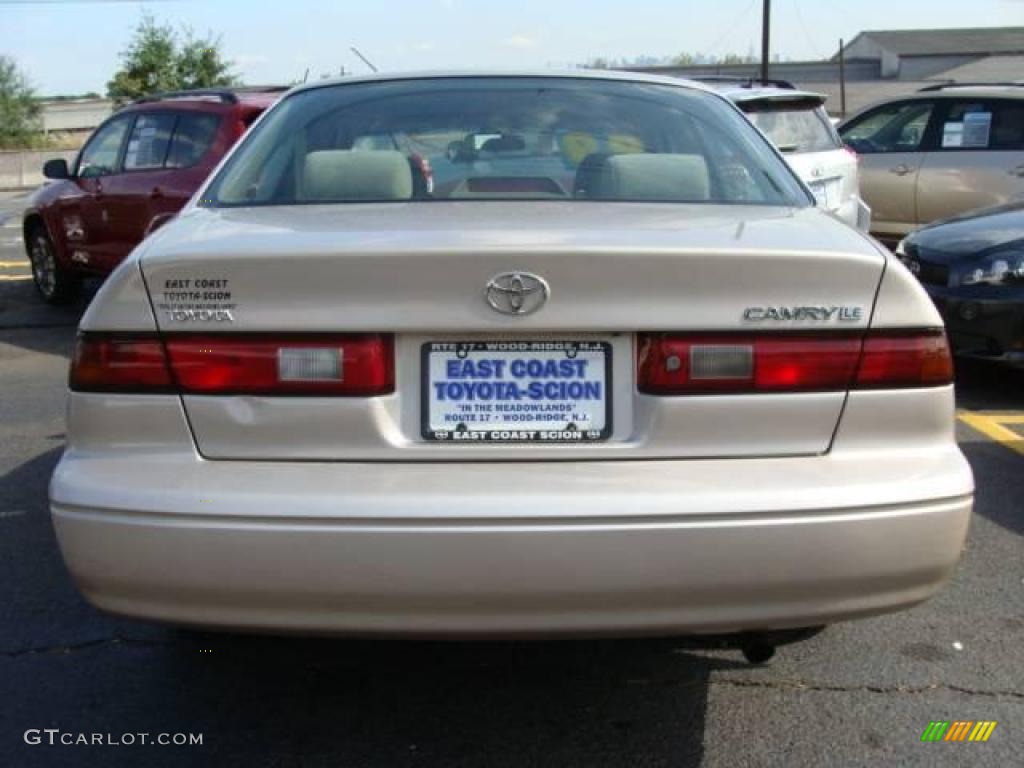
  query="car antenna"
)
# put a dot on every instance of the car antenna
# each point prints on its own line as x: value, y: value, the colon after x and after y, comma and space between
x: 366, y: 61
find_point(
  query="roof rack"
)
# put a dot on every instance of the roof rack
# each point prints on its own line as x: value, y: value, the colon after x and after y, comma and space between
x: 955, y: 84
x: 224, y: 95
x: 744, y: 82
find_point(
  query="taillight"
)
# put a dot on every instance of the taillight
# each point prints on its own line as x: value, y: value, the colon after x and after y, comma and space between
x: 670, y: 364
x: 905, y: 360
x: 238, y: 129
x: 119, y: 364
x: 680, y: 364
x: 310, y: 364
x: 270, y: 365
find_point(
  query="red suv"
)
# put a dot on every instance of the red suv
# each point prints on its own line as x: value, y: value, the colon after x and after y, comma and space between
x: 136, y: 171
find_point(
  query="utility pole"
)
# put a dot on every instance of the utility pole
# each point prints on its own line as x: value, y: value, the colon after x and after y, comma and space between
x: 766, y: 36
x: 842, y: 78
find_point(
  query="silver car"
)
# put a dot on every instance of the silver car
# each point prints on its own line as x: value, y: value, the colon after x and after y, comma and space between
x: 613, y: 373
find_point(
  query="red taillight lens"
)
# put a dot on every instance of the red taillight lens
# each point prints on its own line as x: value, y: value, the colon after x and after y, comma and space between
x: 350, y: 365
x: 119, y: 364
x: 905, y: 360
x: 238, y: 130
x: 671, y: 364
x: 676, y: 364
x: 320, y: 364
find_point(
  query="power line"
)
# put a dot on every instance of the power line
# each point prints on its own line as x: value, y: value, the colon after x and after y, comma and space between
x: 807, y: 34
x: 731, y: 27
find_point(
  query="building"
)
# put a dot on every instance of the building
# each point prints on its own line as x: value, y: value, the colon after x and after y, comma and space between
x: 74, y: 115
x: 884, y: 64
x: 929, y: 54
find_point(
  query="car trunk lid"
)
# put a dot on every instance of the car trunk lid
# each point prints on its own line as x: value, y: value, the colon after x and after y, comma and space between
x: 419, y: 273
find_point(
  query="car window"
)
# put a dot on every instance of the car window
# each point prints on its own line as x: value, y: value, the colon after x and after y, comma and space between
x: 892, y: 128
x: 504, y: 138
x: 99, y: 156
x: 795, y: 130
x: 150, y: 137
x: 1008, y: 126
x: 193, y: 136
x: 978, y: 124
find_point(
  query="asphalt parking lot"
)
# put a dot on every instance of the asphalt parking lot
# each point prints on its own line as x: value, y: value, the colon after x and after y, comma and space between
x: 858, y: 694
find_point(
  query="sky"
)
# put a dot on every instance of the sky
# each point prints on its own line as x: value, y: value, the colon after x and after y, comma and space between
x: 72, y: 46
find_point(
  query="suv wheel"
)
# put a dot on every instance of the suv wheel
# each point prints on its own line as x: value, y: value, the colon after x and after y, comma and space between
x: 55, y: 283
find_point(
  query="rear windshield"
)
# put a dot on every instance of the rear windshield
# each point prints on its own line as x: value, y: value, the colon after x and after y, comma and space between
x: 796, y: 130
x: 503, y: 138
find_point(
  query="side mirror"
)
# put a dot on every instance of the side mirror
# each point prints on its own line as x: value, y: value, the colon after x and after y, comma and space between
x: 56, y: 169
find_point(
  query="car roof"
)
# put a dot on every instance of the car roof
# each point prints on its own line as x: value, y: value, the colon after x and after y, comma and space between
x: 959, y: 90
x: 573, y: 74
x: 255, y: 96
x: 766, y: 95
x: 945, y: 92
x: 953, y: 91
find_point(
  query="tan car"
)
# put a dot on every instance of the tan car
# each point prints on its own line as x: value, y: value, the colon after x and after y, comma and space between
x: 612, y: 373
x: 939, y: 152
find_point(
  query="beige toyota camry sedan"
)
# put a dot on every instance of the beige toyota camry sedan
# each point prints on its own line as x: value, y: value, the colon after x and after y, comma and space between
x: 509, y: 355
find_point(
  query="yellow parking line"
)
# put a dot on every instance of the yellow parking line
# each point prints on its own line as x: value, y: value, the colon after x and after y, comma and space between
x: 991, y: 425
x: 15, y: 277
x: 22, y: 263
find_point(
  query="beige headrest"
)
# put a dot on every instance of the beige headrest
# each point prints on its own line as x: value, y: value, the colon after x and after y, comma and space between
x: 657, y: 177
x: 341, y: 174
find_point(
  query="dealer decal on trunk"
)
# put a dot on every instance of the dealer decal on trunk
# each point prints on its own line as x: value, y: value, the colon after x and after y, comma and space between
x: 199, y: 299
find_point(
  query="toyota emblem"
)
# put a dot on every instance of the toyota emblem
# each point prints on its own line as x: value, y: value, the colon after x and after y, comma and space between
x: 517, y: 293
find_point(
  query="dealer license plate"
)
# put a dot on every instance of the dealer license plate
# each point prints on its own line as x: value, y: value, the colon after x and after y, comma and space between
x: 517, y: 391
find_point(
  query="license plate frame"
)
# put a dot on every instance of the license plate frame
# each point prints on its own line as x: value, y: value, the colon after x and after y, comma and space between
x: 519, y: 431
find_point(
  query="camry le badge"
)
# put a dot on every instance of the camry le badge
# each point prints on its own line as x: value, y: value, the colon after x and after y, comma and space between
x: 819, y: 314
x: 517, y: 293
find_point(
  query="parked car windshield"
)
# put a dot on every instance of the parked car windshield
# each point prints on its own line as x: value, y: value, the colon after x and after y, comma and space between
x: 796, y: 130
x: 503, y: 138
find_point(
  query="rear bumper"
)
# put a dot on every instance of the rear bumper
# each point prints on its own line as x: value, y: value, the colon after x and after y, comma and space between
x: 660, y: 547
x: 856, y: 213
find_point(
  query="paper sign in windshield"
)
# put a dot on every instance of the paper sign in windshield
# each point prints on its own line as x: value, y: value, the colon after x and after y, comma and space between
x: 977, y: 129
x: 973, y: 133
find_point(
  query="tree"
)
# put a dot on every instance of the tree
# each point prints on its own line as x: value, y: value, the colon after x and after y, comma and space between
x: 684, y: 59
x: 735, y: 58
x: 157, y: 60
x: 200, y: 64
x: 19, y: 110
